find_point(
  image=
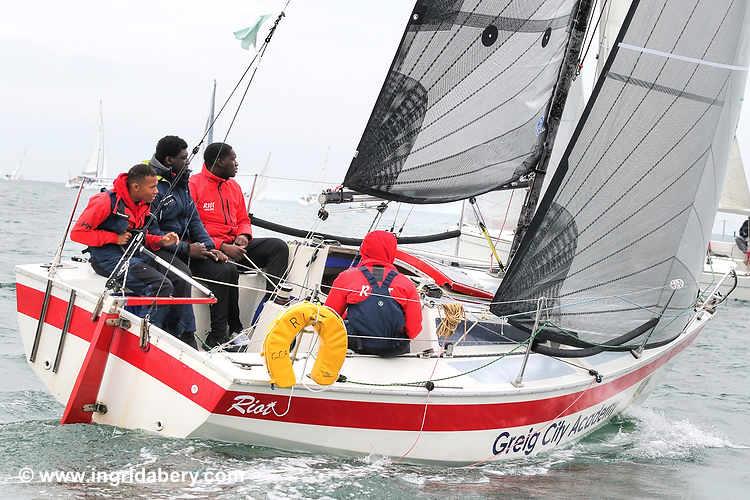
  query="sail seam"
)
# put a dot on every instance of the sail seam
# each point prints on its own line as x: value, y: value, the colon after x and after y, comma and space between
x: 629, y: 80
x: 515, y: 24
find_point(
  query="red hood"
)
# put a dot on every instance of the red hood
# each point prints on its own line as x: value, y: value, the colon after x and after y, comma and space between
x: 378, y: 247
x: 120, y: 187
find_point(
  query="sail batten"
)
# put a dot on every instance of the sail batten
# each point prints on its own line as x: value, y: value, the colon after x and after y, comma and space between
x: 462, y: 110
x: 620, y: 235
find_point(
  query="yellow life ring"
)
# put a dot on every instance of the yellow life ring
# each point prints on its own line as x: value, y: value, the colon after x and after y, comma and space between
x: 333, y: 343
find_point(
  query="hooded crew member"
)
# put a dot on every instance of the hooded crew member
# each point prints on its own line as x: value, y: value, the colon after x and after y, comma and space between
x: 354, y: 287
x: 107, y: 225
x: 174, y: 210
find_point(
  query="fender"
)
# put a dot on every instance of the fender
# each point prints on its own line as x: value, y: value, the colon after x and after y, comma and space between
x: 333, y: 343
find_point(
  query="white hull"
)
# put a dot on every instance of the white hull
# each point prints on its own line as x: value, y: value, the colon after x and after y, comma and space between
x: 725, y: 257
x: 178, y: 392
x: 89, y: 184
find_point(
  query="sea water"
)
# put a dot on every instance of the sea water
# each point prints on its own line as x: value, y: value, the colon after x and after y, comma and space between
x: 690, y: 439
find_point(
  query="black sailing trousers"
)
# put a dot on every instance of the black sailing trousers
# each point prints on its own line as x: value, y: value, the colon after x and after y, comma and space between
x: 271, y: 255
x: 225, y: 314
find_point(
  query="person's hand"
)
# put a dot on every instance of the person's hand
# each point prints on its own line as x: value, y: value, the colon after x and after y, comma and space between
x: 169, y: 239
x: 234, y: 252
x: 198, y: 251
x: 124, y: 238
x: 218, y: 255
x: 242, y: 241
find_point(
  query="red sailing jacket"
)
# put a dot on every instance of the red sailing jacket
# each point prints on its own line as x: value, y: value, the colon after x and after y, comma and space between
x: 221, y: 206
x: 351, y: 287
x: 87, y: 229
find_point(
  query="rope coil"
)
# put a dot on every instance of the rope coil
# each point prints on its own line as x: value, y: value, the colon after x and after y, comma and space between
x: 454, y: 314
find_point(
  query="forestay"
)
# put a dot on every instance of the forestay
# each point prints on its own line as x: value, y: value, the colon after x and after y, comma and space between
x: 462, y: 109
x: 627, y: 218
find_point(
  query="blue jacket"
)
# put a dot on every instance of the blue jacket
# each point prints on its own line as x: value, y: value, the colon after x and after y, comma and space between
x: 175, y: 210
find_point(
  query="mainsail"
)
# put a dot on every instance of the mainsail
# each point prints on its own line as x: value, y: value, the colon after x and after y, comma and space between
x: 735, y: 197
x: 620, y: 236
x: 462, y: 110
x: 96, y: 166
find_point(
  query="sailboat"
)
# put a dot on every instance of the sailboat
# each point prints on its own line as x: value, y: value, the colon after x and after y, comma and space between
x: 15, y: 174
x: 727, y: 255
x: 93, y: 174
x: 600, y: 293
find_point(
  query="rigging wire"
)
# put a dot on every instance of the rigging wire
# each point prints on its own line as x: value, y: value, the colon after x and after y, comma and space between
x: 130, y: 251
x: 258, y: 56
x: 403, y: 225
x: 395, y: 217
x: 593, y: 34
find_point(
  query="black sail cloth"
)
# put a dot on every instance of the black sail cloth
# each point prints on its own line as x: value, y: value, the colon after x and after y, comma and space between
x: 462, y: 109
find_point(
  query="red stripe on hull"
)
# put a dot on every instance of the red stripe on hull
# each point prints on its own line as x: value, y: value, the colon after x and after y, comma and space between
x: 339, y: 413
x: 155, y: 362
x: 439, y: 417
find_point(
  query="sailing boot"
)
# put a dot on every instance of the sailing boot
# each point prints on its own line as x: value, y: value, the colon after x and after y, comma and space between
x: 189, y: 339
x: 216, y: 338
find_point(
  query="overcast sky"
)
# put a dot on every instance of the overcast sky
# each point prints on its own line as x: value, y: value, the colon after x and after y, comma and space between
x: 152, y: 63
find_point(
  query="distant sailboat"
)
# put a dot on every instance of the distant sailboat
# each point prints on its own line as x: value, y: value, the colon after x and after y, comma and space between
x: 726, y: 255
x: 92, y: 176
x: 15, y: 175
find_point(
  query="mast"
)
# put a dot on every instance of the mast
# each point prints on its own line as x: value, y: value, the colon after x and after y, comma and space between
x: 568, y: 73
x: 100, y: 144
x: 210, y: 120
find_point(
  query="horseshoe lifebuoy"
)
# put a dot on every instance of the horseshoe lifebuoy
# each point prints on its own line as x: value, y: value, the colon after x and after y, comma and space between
x: 333, y: 343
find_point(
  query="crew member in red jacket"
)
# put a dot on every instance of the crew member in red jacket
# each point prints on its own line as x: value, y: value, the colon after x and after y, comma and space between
x: 222, y: 209
x: 382, y: 306
x: 107, y: 225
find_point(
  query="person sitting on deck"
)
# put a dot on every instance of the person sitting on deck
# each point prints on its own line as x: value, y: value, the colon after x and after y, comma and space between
x: 175, y: 211
x: 222, y: 209
x: 741, y: 240
x: 382, y: 306
x: 107, y: 225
